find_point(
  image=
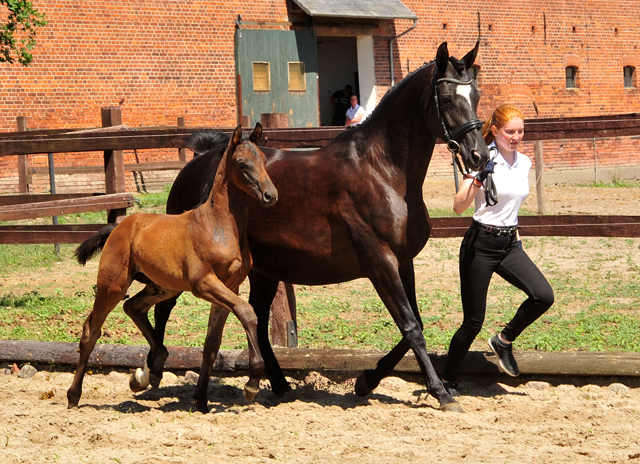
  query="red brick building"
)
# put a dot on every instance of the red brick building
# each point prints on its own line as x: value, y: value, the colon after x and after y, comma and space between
x: 163, y: 60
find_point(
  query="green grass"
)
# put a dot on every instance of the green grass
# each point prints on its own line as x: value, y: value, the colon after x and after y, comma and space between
x: 595, y: 280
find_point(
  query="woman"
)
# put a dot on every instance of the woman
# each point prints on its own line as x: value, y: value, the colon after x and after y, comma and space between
x: 492, y: 245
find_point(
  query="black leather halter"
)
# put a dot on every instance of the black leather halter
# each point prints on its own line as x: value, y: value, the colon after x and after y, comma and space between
x: 454, y: 137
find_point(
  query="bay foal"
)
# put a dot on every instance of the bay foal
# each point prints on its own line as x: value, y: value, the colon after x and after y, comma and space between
x: 203, y: 251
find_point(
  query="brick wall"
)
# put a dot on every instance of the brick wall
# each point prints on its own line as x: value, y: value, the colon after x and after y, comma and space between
x: 161, y: 60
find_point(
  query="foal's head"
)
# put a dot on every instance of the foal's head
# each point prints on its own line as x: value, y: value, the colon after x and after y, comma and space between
x: 246, y: 167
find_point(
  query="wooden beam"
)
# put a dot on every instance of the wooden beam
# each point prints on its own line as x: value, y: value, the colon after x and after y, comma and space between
x: 62, y: 207
x: 6, y: 200
x: 583, y: 363
x: 550, y: 226
x: 67, y: 233
x: 138, y: 167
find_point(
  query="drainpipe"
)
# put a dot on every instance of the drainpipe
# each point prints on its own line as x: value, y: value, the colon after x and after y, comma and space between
x: 415, y: 23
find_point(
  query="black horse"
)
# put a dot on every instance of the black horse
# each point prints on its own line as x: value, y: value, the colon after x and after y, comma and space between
x: 349, y: 210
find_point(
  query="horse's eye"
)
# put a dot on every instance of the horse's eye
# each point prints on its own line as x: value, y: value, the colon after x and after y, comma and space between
x: 446, y: 100
x: 242, y: 164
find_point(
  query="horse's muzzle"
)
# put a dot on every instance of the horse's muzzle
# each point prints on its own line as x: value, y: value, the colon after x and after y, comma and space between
x: 269, y: 197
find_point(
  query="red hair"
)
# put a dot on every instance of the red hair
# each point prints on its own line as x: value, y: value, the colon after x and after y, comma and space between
x: 500, y: 116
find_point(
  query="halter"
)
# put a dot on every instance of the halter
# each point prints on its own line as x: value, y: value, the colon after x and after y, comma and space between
x: 453, y: 137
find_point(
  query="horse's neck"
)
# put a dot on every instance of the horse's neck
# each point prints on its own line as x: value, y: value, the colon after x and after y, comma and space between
x: 226, y: 202
x: 413, y: 154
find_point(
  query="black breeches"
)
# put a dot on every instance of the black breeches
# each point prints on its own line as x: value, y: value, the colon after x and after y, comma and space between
x: 481, y: 254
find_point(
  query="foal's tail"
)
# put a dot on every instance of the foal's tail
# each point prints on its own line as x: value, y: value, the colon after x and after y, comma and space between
x: 93, y: 245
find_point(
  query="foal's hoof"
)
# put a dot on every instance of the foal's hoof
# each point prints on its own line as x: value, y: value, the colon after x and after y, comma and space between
x: 73, y: 400
x: 138, y: 381
x: 250, y: 393
x: 451, y: 407
x: 363, y: 385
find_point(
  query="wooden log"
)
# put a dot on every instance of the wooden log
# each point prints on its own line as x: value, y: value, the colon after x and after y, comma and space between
x: 68, y: 233
x: 576, y: 363
x: 62, y: 207
x: 106, y: 355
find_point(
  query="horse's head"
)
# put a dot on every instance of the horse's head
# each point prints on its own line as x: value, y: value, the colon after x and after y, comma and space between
x: 247, y: 167
x: 455, y: 98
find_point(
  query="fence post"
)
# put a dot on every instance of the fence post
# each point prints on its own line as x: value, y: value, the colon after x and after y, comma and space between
x: 23, y: 176
x: 284, y: 330
x: 113, y: 164
x: 182, y: 152
x: 539, y: 176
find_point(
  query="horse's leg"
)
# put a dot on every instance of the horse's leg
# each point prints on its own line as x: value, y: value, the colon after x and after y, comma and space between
x: 107, y: 298
x: 370, y: 378
x: 210, y: 288
x: 137, y: 308
x: 263, y: 290
x: 387, y: 282
x: 217, y: 320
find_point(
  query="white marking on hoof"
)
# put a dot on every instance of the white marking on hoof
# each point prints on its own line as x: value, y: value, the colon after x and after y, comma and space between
x: 142, y: 376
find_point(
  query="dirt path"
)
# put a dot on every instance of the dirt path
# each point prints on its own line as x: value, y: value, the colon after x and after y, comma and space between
x: 320, y: 421
x: 523, y: 421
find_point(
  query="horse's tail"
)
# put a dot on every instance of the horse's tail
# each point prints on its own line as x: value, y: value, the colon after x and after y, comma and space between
x: 206, y: 140
x: 94, y: 244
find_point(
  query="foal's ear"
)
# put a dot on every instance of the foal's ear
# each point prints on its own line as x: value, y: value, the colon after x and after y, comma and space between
x: 236, y: 137
x: 442, y: 60
x: 470, y: 57
x: 256, y: 135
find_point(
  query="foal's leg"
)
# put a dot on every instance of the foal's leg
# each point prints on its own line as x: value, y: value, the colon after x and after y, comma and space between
x: 210, y: 288
x: 387, y: 282
x: 137, y: 308
x: 107, y: 297
x: 263, y: 290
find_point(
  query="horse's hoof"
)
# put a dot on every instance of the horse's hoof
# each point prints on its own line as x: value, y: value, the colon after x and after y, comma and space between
x: 202, y: 406
x: 451, y: 407
x: 73, y: 399
x: 137, y: 383
x: 250, y: 393
x: 281, y: 390
x: 362, y: 387
x: 155, y: 380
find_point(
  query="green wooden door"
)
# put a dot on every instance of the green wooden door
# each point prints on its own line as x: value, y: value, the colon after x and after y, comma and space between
x: 279, y: 72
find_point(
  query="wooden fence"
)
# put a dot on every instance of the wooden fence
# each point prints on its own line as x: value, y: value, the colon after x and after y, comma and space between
x: 113, y: 138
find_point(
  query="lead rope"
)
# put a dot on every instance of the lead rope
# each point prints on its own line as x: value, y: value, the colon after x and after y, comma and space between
x: 490, y: 189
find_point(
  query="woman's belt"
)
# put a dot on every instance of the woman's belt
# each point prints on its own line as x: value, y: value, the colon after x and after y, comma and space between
x: 495, y: 229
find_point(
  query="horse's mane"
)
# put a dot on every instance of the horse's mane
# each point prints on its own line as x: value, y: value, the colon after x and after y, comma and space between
x: 398, y: 86
x: 208, y: 139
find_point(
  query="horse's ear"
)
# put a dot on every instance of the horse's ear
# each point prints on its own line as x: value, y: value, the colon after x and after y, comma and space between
x: 256, y: 135
x: 236, y: 137
x: 442, y: 59
x: 470, y: 57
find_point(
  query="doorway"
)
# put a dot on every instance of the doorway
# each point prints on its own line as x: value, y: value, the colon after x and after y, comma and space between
x: 337, y: 67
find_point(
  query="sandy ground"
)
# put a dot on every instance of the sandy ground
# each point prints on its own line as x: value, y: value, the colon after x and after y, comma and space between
x: 320, y: 421
x: 518, y: 420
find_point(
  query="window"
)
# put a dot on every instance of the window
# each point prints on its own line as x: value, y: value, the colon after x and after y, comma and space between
x: 261, y: 76
x: 629, y: 77
x: 473, y: 74
x: 297, y: 78
x: 572, y: 77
